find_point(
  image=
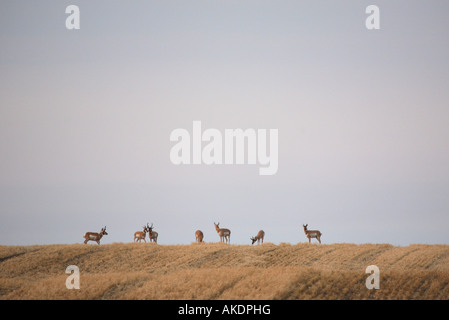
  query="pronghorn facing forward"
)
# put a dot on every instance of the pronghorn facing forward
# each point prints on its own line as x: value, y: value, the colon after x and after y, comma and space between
x: 140, y: 235
x: 152, y: 234
x: 225, y: 234
x: 93, y: 236
x: 199, y: 236
x: 312, y: 234
x: 259, y: 237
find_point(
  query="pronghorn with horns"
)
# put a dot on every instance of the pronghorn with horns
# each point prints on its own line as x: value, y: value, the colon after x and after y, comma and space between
x: 152, y: 234
x: 140, y: 235
x: 94, y: 236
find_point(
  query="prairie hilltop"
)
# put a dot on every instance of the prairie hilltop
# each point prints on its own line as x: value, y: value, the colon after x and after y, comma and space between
x: 220, y: 271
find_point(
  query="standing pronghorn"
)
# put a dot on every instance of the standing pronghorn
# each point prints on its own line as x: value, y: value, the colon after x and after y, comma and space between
x: 225, y: 234
x: 312, y: 233
x: 259, y: 237
x: 199, y: 236
x: 93, y: 236
x: 140, y: 235
x: 152, y: 234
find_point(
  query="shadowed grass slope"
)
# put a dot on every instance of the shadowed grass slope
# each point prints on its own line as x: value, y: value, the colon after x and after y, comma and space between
x: 219, y: 271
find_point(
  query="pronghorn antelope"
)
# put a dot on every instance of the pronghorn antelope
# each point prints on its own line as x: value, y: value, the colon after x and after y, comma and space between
x: 225, y: 234
x: 259, y: 237
x: 152, y: 234
x: 93, y: 236
x: 199, y: 236
x: 140, y: 235
x: 312, y: 233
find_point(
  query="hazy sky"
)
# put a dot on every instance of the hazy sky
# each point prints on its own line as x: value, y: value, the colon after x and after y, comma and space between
x: 86, y: 116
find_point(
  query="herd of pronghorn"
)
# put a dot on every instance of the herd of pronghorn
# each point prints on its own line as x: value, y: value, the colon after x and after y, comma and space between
x: 225, y: 235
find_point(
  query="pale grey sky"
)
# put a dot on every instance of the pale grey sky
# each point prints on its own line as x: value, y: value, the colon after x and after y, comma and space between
x: 86, y: 116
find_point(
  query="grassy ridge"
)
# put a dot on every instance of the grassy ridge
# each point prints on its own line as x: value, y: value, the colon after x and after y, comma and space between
x: 219, y: 271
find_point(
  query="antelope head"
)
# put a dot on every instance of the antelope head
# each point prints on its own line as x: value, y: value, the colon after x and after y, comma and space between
x: 103, y: 231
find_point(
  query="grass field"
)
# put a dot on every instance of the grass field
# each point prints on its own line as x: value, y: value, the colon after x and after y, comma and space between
x: 219, y: 271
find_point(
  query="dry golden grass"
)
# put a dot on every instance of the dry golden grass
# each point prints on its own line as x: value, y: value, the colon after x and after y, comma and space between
x: 219, y: 271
